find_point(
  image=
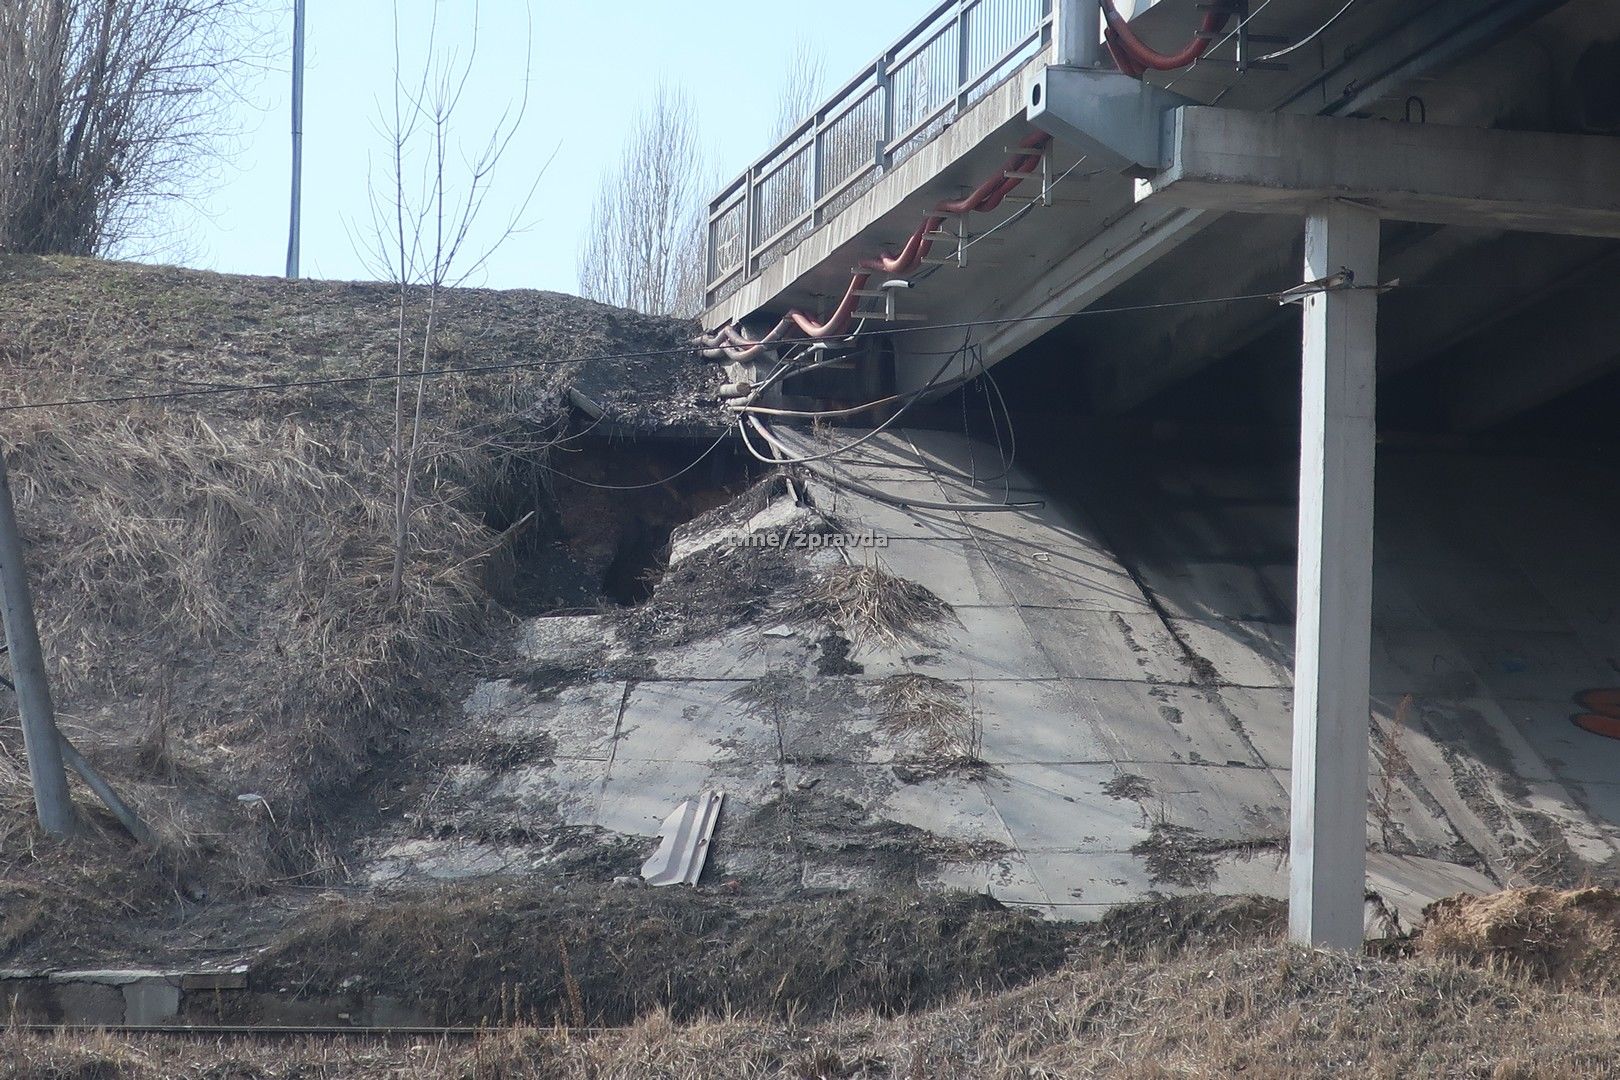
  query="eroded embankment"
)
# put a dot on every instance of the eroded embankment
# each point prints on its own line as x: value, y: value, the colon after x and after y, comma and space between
x: 214, y: 569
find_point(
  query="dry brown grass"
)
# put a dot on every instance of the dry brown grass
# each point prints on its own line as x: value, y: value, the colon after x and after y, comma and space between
x: 1257, y: 1010
x: 1570, y: 938
x: 211, y: 572
x: 873, y: 605
x: 608, y: 956
x: 933, y: 721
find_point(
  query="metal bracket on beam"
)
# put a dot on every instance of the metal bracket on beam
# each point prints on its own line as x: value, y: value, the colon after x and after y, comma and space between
x: 1112, y: 118
x: 1343, y: 281
x: 1246, y: 39
x: 890, y: 292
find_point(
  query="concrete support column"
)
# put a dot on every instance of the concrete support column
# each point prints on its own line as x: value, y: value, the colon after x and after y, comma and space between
x: 1328, y: 827
x: 1078, y: 33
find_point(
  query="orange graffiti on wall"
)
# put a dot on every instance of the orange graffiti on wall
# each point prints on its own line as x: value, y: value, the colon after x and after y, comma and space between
x: 1603, y: 712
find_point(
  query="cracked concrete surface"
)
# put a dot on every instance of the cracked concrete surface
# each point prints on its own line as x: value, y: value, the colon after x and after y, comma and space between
x: 1128, y: 706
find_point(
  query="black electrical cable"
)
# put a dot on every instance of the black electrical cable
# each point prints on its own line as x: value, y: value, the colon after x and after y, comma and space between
x: 532, y: 365
x: 724, y: 435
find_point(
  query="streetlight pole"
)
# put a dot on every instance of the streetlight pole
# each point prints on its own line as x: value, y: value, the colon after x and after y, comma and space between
x: 40, y: 741
x: 296, y: 224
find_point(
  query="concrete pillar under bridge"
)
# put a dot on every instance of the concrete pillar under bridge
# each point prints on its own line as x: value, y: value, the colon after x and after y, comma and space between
x: 1328, y: 801
x: 1343, y: 175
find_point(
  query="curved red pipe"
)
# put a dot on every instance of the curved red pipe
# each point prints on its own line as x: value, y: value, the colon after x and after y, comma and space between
x: 730, y: 343
x: 1123, y: 40
x: 1121, y: 59
x: 984, y: 198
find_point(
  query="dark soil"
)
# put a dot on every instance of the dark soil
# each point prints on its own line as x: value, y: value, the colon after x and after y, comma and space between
x: 466, y: 954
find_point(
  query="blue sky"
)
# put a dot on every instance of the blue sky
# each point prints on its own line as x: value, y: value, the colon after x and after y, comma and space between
x: 594, y: 62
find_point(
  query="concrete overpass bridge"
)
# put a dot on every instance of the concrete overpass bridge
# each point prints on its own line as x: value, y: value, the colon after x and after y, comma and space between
x: 1418, y: 202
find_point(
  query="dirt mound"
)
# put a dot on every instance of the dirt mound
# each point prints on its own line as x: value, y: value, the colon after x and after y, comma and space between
x: 1568, y: 938
x: 608, y: 957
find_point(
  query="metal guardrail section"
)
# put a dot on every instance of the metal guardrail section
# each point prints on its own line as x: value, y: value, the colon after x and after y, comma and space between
x: 960, y: 52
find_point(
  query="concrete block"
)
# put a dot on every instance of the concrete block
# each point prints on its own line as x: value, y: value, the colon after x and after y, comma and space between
x: 1216, y: 590
x: 1053, y: 571
x: 1410, y: 883
x: 578, y: 721
x: 693, y: 721
x: 1036, y: 722
x: 568, y: 791
x: 235, y: 978
x: 1241, y: 653
x: 1523, y: 665
x: 1109, y: 645
x: 1217, y: 802
x: 983, y: 643
x: 639, y: 795
x: 954, y: 570
x: 857, y: 512
x: 1150, y: 722
x: 1100, y: 879
x: 151, y: 1002
x: 949, y: 806
x: 1065, y: 808
x: 1008, y: 880
x: 744, y: 653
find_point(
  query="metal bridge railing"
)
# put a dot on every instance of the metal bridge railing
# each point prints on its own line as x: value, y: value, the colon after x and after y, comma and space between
x: 960, y: 52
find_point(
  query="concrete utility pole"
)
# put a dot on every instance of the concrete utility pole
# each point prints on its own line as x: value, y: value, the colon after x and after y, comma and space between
x: 1328, y: 827
x: 40, y: 738
x: 295, y: 226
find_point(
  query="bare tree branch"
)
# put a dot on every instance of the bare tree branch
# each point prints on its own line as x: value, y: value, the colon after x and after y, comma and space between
x: 422, y: 221
x: 644, y: 246
x: 108, y: 110
x: 802, y: 92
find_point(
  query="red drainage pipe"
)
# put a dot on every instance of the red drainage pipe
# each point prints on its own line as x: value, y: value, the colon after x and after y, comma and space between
x: 729, y: 343
x: 1134, y: 56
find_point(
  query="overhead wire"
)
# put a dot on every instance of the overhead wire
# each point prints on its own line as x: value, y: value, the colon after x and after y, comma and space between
x: 812, y: 466
x: 932, y: 383
x: 724, y: 435
x: 1235, y: 31
x: 529, y: 365
x: 1312, y: 36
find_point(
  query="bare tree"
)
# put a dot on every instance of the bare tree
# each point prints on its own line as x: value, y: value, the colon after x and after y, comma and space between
x: 422, y: 222
x: 108, y: 109
x: 801, y: 93
x: 644, y: 245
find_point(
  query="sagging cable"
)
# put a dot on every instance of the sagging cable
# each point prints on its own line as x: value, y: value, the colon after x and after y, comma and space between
x: 870, y: 492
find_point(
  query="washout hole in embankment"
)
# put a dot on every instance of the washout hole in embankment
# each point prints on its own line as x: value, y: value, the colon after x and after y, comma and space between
x: 591, y: 519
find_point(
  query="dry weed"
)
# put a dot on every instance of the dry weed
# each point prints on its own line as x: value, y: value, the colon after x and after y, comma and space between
x: 933, y: 720
x: 1569, y: 938
x: 211, y: 571
x: 1245, y: 1009
x: 873, y: 605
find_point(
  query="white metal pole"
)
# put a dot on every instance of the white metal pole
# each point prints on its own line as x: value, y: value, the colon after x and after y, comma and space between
x: 1328, y: 808
x: 40, y: 740
x: 1079, y: 33
x: 295, y: 225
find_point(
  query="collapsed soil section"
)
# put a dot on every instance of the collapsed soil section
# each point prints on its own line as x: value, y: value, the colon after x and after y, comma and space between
x: 212, y: 570
x: 213, y: 580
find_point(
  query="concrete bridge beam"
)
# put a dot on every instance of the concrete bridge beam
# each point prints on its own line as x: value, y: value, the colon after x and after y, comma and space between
x: 1269, y: 163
